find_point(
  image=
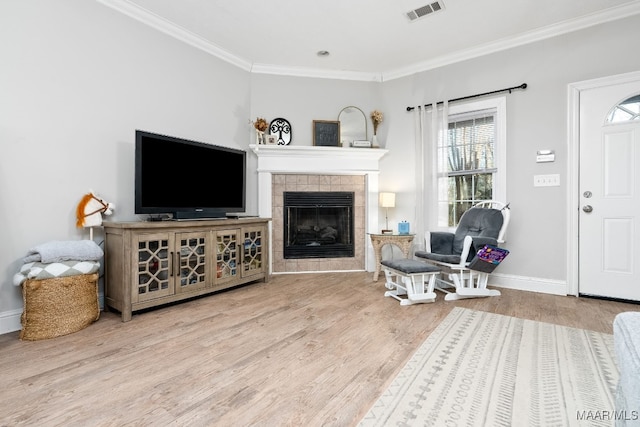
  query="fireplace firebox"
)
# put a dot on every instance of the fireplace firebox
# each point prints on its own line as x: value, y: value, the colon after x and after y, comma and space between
x: 318, y: 224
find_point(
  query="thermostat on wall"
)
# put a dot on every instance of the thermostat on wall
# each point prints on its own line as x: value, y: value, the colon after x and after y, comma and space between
x: 543, y: 156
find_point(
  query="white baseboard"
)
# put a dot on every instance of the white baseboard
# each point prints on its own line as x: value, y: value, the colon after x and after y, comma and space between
x: 10, y: 321
x: 530, y: 284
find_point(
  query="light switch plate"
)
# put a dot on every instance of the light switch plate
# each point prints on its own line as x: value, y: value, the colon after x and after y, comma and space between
x: 552, y: 180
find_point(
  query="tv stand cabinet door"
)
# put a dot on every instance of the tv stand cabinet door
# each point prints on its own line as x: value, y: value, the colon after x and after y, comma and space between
x: 153, y: 266
x: 254, y: 251
x: 226, y: 257
x: 192, y: 269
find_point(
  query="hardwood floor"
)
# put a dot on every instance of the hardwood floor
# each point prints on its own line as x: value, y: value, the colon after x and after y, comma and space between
x: 301, y: 350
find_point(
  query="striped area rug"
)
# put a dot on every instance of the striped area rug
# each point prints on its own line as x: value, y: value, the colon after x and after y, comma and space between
x: 485, y: 369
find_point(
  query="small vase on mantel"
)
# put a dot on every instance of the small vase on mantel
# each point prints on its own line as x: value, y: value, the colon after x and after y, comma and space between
x: 260, y: 138
x: 374, y: 141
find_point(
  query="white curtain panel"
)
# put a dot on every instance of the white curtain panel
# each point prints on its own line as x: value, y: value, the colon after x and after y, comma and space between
x: 439, y: 214
x: 431, y: 124
x: 420, y: 121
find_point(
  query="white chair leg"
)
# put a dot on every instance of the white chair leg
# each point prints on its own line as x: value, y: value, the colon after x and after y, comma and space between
x: 418, y: 289
x: 395, y: 289
x: 433, y: 278
x: 483, y: 278
x: 415, y: 288
x: 475, y: 286
x: 391, y: 282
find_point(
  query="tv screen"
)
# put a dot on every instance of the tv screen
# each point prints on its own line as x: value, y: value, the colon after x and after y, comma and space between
x: 186, y: 178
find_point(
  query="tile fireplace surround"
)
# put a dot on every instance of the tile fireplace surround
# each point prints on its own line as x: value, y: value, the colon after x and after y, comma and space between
x: 292, y: 168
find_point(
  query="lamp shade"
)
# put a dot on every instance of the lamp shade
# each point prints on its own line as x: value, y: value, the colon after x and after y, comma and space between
x: 388, y: 200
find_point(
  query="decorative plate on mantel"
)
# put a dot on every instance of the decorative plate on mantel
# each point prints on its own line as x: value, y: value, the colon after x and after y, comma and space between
x: 281, y: 128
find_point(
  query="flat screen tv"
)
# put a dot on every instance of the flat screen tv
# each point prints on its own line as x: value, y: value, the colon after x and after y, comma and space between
x: 188, y: 179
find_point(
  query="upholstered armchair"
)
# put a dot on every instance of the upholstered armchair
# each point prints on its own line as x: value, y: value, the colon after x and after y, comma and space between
x: 484, y: 224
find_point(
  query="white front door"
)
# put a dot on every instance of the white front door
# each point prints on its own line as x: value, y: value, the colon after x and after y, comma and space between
x: 609, y: 185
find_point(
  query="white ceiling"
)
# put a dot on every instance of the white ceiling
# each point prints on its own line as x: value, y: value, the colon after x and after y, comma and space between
x: 367, y: 39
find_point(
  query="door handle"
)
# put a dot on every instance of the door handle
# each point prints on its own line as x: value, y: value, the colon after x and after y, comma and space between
x: 587, y: 208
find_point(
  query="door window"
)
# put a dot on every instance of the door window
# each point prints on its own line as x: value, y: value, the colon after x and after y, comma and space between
x: 626, y: 111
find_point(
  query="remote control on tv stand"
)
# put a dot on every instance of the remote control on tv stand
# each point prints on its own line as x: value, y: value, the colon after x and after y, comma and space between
x: 237, y: 216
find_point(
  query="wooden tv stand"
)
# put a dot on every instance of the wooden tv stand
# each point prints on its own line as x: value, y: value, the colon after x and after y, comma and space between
x: 148, y: 264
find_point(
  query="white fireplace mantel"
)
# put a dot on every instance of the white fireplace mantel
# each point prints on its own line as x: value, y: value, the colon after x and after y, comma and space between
x: 314, y: 160
x: 288, y: 158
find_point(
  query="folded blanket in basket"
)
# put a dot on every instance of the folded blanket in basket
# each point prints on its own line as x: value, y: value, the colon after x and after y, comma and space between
x: 41, y: 271
x: 65, y: 250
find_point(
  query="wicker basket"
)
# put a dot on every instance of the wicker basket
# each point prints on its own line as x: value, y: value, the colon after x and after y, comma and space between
x: 59, y: 306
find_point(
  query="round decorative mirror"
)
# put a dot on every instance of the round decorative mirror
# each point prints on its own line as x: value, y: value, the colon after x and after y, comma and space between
x: 353, y: 125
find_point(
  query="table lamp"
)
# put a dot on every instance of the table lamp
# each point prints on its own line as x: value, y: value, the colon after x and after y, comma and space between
x: 387, y: 200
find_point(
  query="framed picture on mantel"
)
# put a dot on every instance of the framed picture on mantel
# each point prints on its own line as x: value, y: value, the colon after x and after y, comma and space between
x: 326, y: 133
x: 272, y: 139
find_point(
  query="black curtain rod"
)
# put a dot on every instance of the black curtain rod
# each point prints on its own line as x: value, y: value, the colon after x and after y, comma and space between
x: 509, y: 89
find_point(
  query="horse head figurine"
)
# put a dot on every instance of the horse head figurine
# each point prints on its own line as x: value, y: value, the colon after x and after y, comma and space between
x: 90, y: 210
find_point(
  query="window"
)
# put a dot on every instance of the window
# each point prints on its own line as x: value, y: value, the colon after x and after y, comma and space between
x: 471, y: 159
x: 627, y: 110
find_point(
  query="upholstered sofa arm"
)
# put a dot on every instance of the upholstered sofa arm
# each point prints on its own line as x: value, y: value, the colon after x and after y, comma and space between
x: 626, y: 339
x: 440, y: 242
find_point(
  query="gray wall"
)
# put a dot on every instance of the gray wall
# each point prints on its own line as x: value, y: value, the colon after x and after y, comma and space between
x: 78, y: 78
x: 301, y: 100
x: 537, y: 119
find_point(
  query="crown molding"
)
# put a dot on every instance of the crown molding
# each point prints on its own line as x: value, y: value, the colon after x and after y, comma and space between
x: 315, y: 72
x: 173, y: 30
x: 612, y: 14
x: 151, y: 19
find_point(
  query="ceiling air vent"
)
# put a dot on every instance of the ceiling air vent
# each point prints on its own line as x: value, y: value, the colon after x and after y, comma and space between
x: 425, y: 10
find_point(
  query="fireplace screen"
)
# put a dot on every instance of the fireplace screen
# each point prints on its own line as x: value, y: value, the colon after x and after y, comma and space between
x: 318, y: 224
